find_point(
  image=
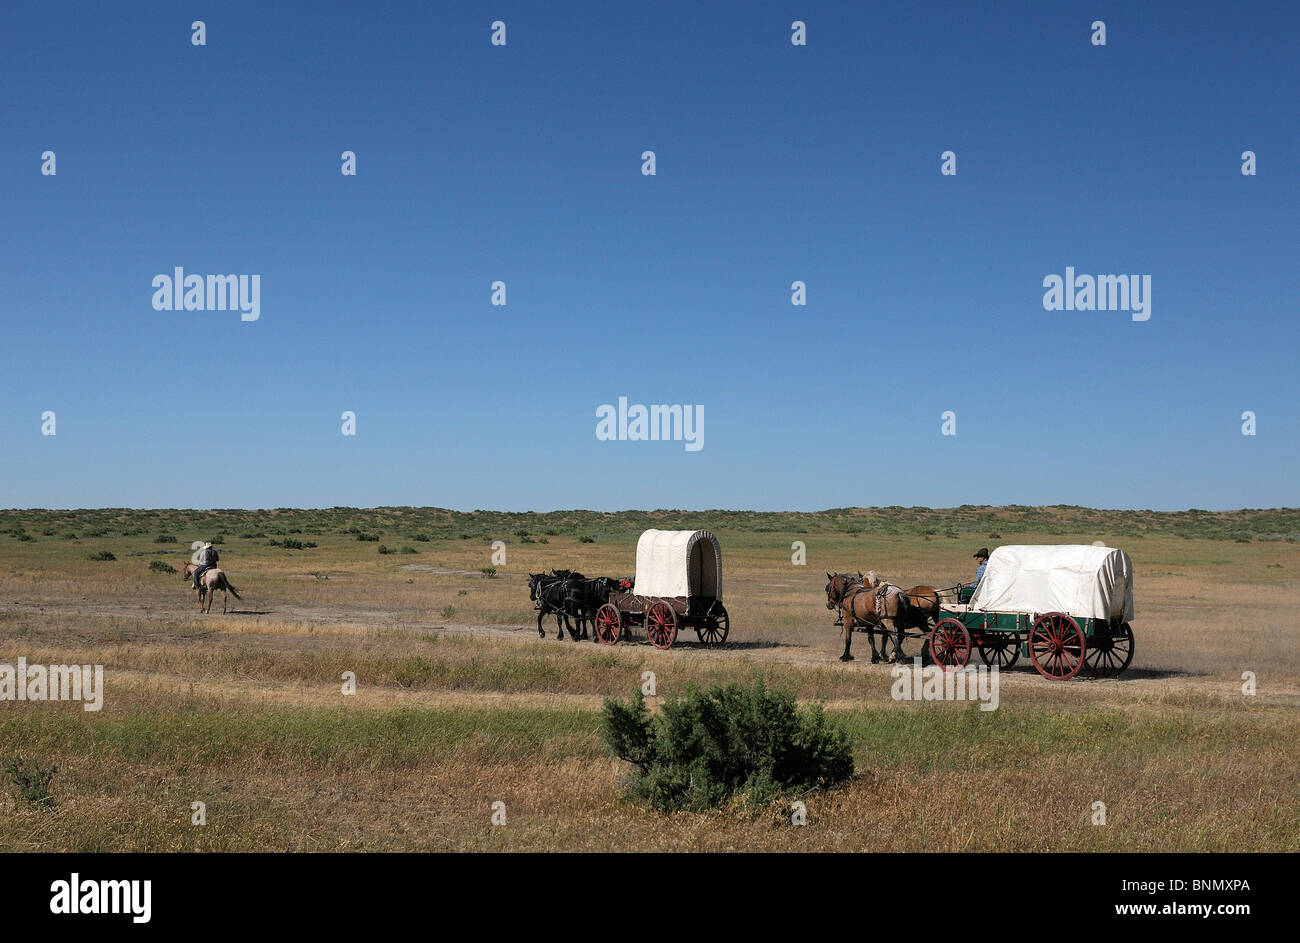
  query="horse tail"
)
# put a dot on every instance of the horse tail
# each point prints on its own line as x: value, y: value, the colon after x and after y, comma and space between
x: 231, y: 586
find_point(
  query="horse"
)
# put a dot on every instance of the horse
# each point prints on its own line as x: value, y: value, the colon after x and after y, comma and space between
x: 857, y: 606
x: 212, y: 580
x: 923, y: 606
x: 554, y: 595
x: 591, y: 594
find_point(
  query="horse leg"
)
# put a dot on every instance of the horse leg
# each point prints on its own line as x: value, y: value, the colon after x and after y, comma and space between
x: 540, y: 631
x: 888, y: 629
x: 224, y: 596
x: 846, y: 617
x: 874, y: 629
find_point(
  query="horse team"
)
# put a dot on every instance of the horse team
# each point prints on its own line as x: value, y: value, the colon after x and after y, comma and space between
x: 880, y: 608
x: 568, y: 595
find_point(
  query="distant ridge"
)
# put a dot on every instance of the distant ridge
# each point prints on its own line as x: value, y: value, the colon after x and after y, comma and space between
x: 980, y: 522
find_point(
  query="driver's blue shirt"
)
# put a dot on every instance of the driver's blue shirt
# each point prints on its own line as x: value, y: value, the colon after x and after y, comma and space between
x: 979, y: 575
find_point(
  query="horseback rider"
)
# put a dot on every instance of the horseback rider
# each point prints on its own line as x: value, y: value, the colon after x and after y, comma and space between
x: 981, y: 560
x: 208, y: 558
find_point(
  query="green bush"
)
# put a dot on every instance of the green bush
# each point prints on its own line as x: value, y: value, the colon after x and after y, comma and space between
x: 159, y: 566
x: 102, y: 555
x: 165, y: 539
x: 703, y: 749
x: 386, y: 550
x: 291, y: 543
x: 372, y: 538
x: 489, y: 571
x: 33, y: 781
x: 587, y: 540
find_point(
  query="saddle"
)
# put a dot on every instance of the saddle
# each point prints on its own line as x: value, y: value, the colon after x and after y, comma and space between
x: 882, y: 591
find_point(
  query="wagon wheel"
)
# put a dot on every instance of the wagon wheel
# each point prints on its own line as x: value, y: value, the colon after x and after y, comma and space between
x: 1000, y: 649
x: 609, y: 625
x: 1056, y: 646
x: 1109, y: 654
x: 950, y: 644
x: 714, y: 630
x: 661, y: 625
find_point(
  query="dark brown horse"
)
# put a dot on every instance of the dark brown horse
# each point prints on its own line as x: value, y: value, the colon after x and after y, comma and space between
x: 211, y: 581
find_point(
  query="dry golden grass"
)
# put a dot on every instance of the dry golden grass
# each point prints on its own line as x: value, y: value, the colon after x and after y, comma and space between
x: 460, y: 707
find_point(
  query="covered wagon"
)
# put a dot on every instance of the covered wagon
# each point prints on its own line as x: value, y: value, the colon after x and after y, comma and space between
x: 678, y: 584
x: 1064, y: 607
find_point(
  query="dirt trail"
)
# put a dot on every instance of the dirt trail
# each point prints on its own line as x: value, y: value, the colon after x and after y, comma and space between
x: 254, y: 628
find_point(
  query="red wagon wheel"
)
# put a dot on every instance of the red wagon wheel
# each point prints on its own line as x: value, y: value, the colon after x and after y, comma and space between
x: 609, y: 624
x: 1056, y: 646
x: 661, y: 625
x: 950, y: 644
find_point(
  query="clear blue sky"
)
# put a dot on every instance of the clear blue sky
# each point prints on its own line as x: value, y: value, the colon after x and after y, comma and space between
x: 775, y: 163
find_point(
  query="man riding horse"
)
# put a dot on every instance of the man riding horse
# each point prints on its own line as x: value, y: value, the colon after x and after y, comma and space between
x: 208, y: 558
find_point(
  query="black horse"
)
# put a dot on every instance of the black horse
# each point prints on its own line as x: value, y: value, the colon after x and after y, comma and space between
x: 591, y: 594
x: 554, y: 595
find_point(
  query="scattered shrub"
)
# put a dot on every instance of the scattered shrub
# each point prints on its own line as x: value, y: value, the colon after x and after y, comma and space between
x: 449, y: 611
x: 409, y: 550
x: 386, y: 550
x: 101, y: 555
x: 587, y: 540
x: 703, y: 749
x: 161, y: 566
x: 373, y: 538
x: 165, y: 539
x: 489, y: 571
x: 33, y: 781
x: 291, y: 543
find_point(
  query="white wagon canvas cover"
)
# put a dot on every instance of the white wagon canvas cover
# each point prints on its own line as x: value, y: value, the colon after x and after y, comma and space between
x: 678, y: 563
x: 1085, y: 582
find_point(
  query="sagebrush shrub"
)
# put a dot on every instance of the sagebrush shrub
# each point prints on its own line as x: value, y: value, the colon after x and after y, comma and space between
x: 705, y: 748
x: 32, y: 780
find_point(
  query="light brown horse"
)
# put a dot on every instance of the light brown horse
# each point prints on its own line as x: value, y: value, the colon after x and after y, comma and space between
x: 862, y: 605
x: 212, y: 580
x: 900, y: 610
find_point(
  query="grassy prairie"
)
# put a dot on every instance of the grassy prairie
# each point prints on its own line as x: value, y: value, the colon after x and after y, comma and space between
x: 459, y: 704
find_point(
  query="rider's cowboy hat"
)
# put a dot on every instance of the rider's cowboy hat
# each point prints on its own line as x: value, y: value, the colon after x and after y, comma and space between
x: 206, y: 546
x: 981, y: 552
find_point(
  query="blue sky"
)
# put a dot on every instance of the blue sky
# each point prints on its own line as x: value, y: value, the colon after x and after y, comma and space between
x: 775, y: 163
